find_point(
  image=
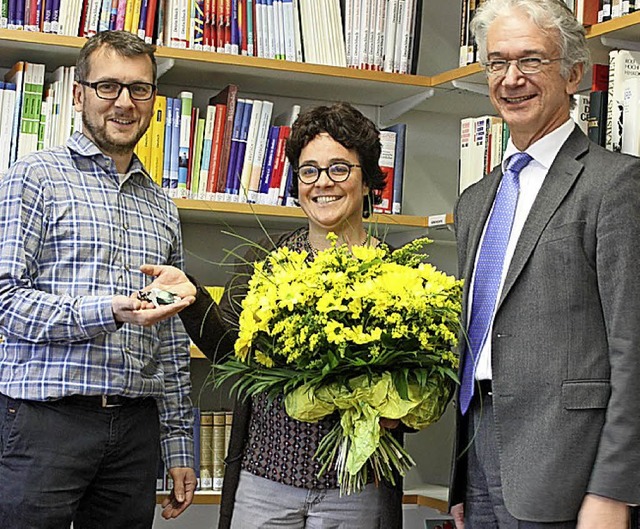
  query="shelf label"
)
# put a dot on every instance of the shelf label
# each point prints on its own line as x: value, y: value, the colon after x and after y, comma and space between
x: 437, y: 220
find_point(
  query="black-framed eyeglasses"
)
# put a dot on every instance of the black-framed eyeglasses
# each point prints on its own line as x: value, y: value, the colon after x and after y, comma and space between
x: 526, y: 65
x: 337, y: 172
x: 111, y: 90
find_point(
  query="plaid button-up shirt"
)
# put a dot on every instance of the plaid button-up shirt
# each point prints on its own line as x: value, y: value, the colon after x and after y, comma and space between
x: 73, y: 236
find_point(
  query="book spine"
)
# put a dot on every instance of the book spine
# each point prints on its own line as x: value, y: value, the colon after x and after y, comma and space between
x: 267, y: 165
x: 206, y: 151
x: 386, y: 163
x: 233, y: 151
x: 218, y: 449
x: 186, y: 104
x: 216, y: 150
x: 168, y: 132
x: 206, y: 450
x: 247, y: 113
x: 260, y: 149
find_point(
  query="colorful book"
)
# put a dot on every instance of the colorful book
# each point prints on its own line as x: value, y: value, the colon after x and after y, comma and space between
x: 176, y: 124
x: 233, y: 193
x: 398, y: 170
x: 233, y: 152
x: 186, y: 104
x: 228, y: 97
x: 166, y: 157
x: 386, y: 162
x: 258, y: 156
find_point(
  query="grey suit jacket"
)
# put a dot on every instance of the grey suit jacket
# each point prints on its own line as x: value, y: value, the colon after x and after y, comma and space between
x: 566, y: 336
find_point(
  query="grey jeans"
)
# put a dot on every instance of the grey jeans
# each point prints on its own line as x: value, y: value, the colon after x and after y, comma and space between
x: 264, y: 504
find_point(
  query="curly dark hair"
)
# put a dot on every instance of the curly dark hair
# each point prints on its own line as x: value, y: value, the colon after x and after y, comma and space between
x: 346, y: 125
x: 124, y: 43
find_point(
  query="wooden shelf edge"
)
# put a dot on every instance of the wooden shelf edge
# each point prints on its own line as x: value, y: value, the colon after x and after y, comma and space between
x: 615, y: 24
x: 243, y: 61
x: 260, y: 210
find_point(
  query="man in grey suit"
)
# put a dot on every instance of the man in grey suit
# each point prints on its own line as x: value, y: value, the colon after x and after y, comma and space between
x: 549, y: 410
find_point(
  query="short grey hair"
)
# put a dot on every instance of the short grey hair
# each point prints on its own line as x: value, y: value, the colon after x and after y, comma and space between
x: 551, y: 16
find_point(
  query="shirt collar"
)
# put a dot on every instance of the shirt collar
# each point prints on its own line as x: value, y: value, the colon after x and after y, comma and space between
x: 82, y: 145
x: 545, y: 150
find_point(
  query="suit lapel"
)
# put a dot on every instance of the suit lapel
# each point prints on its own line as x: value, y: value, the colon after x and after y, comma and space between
x: 559, y: 180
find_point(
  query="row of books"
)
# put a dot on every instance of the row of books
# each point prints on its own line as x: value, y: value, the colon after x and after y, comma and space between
x: 588, y: 12
x: 211, y: 434
x: 234, y: 150
x: 483, y: 140
x: 35, y: 115
x: 370, y: 34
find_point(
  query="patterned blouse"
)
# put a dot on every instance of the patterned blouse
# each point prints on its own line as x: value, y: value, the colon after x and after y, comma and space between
x: 279, y: 447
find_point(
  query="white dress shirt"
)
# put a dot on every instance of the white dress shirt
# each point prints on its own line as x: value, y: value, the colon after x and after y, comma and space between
x: 543, y: 152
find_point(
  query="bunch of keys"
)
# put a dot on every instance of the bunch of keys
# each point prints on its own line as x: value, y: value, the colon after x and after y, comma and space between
x: 158, y: 297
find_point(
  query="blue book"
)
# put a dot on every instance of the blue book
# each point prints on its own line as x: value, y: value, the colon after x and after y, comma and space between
x: 235, y: 28
x: 55, y: 16
x: 168, y: 129
x: 19, y: 14
x: 233, y: 152
x: 267, y: 165
x: 196, y: 444
x: 242, y: 147
x: 398, y: 167
x: 175, y: 146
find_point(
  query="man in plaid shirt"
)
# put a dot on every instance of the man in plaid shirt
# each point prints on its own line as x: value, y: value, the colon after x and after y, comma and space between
x: 89, y: 391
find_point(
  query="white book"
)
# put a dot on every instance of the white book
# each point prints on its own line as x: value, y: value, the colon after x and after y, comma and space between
x: 390, y: 35
x: 270, y: 30
x: 381, y: 21
x: 373, y: 24
x: 356, y: 32
x: 403, y: 31
x: 260, y: 26
x: 6, y: 125
x: 278, y: 20
x: 296, y: 31
x: 66, y: 107
x: 348, y: 32
x: 258, y: 156
x: 74, y: 16
x: 307, y: 27
x: 337, y: 35
x: 365, y: 16
x: 252, y: 138
x: 207, y: 138
x: 288, y: 30
x: 93, y: 17
x: 622, y: 65
x: 631, y: 116
x: 580, y: 112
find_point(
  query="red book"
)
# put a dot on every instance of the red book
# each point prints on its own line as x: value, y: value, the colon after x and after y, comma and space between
x: 600, y: 78
x: 206, y: 26
x: 278, y: 165
x: 590, y: 12
x: 220, y: 26
x: 228, y: 97
x: 216, y: 147
x: 150, y: 21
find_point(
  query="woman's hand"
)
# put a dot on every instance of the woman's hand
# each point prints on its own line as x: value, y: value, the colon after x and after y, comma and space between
x: 169, y: 278
x: 389, y: 424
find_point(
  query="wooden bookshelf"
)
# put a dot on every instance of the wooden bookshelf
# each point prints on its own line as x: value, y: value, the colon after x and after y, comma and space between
x: 243, y: 214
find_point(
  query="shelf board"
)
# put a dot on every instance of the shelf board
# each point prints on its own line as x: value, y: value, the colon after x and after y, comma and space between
x: 268, y: 77
x: 433, y: 496
x: 252, y: 215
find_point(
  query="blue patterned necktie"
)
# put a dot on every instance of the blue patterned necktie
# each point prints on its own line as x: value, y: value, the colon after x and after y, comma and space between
x: 489, y: 271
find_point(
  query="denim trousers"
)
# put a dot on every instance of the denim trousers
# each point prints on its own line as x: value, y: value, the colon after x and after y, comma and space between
x: 264, y: 504
x: 66, y: 461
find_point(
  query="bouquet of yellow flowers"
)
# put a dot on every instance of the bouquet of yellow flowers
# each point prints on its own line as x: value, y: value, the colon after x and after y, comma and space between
x: 363, y: 331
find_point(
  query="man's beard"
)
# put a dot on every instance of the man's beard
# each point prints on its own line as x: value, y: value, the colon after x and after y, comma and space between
x: 103, y: 142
